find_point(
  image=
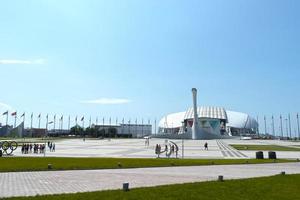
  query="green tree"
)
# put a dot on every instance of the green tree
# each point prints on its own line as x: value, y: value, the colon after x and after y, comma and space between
x: 112, y: 132
x: 77, y: 130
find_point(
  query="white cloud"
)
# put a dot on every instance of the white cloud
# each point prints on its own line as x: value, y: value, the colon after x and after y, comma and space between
x: 4, y: 106
x: 21, y: 62
x: 107, y: 101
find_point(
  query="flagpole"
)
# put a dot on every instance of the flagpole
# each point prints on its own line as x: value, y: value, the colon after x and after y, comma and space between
x: 40, y: 121
x: 281, y: 128
x: 298, y: 126
x: 69, y: 123
x: 47, y: 122
x: 103, y: 128
x: 15, y: 119
x: 24, y: 118
x: 6, y: 118
x: 62, y: 122
x: 31, y: 124
x: 273, y: 129
x: 290, y: 127
x: 265, y: 125
x: 257, y: 130
x: 54, y: 119
x: 46, y: 134
x: 83, y: 123
x: 287, y: 127
x: 90, y: 121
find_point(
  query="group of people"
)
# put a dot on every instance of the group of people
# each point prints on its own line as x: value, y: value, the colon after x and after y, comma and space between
x: 37, y: 148
x: 51, y: 146
x: 169, y: 150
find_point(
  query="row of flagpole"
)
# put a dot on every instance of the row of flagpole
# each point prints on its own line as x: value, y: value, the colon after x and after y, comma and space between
x: 281, y: 132
x: 48, y: 122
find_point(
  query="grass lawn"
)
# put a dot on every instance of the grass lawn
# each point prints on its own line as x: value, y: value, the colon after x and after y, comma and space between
x: 283, y: 187
x: 263, y: 147
x: 8, y: 164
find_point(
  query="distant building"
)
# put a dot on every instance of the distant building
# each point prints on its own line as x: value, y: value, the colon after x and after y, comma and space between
x: 215, y: 121
x: 128, y: 130
x: 5, y: 130
x: 35, y: 132
x: 58, y: 132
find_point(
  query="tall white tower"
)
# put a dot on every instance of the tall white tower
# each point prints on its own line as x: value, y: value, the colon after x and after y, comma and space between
x: 196, y: 127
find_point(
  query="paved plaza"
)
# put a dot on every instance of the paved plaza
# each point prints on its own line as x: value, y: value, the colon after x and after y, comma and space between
x: 135, y: 148
x: 57, y: 182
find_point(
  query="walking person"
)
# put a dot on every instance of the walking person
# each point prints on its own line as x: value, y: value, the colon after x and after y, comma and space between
x: 206, y: 146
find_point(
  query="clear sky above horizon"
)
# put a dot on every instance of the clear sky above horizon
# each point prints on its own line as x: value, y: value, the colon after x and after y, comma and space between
x: 140, y: 59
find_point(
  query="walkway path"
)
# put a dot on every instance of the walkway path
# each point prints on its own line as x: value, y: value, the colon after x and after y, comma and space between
x: 56, y: 182
x: 228, y: 151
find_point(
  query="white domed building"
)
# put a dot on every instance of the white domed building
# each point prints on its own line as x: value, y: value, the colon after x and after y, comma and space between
x: 213, y: 122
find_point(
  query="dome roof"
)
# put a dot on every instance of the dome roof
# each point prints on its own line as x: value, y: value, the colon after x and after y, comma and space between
x: 233, y: 119
x: 207, y: 112
x: 241, y: 120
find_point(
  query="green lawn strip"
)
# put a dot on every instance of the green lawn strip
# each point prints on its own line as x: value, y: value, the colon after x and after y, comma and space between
x: 10, y: 164
x: 263, y: 147
x: 283, y: 187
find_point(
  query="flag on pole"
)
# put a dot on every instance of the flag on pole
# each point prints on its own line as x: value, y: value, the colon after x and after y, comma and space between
x: 39, y: 116
x: 5, y: 113
x: 23, y: 115
x: 15, y: 115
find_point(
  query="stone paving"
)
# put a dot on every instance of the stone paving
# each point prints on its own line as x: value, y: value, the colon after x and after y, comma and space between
x: 57, y: 182
x: 135, y: 148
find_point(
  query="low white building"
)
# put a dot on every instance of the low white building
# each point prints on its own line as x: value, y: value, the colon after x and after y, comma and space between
x: 129, y: 130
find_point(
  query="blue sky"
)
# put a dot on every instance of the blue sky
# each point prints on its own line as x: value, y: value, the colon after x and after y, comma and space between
x: 140, y: 59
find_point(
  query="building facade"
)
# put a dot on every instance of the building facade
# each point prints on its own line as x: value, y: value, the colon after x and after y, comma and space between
x: 214, y: 123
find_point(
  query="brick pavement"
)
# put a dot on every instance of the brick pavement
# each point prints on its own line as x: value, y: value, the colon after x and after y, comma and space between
x: 57, y: 182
